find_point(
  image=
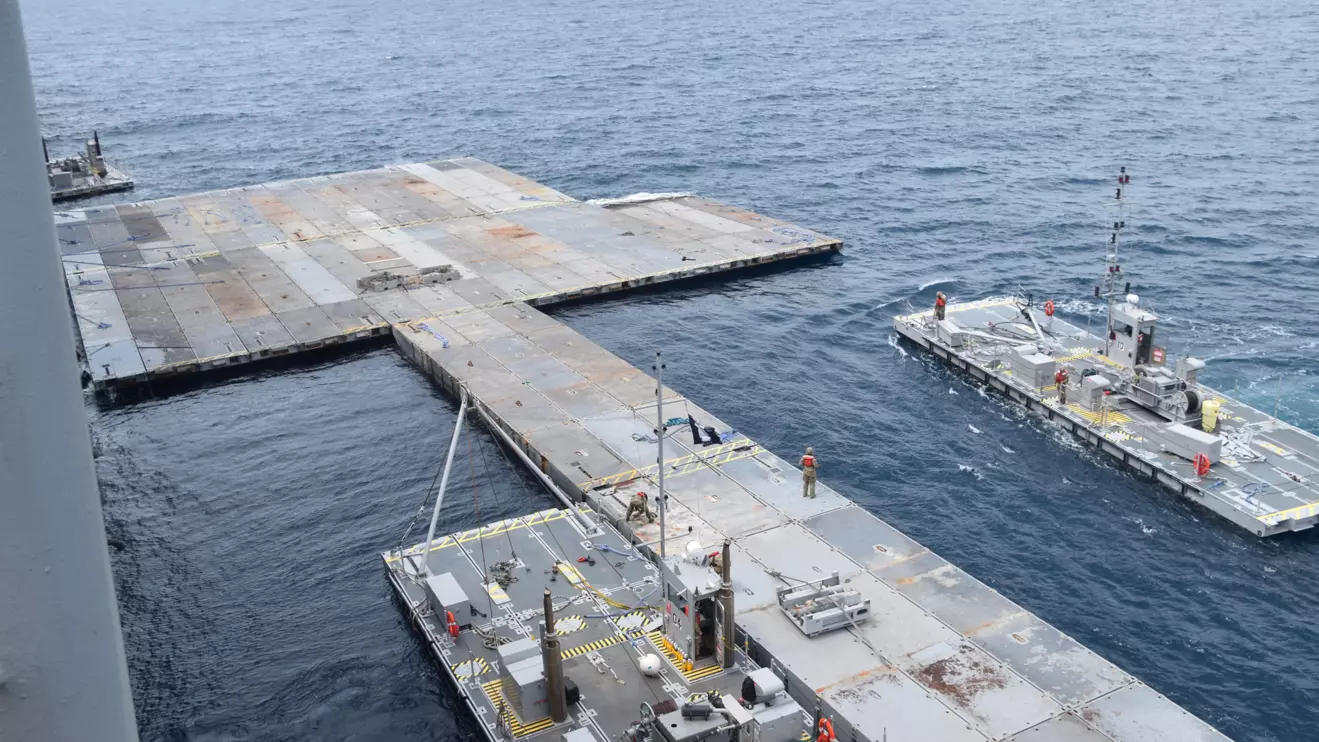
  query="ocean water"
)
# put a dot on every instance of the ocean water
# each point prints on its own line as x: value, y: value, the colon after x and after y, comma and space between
x: 962, y: 146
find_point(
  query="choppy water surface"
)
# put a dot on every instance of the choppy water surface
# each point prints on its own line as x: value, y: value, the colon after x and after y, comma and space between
x: 962, y: 148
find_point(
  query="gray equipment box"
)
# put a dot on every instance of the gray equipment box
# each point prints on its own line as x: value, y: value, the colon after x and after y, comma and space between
x: 514, y: 652
x: 949, y: 333
x: 675, y: 728
x: 1034, y: 369
x: 524, y: 687
x: 1092, y: 391
x: 446, y: 595
x: 782, y: 722
x: 1185, y: 441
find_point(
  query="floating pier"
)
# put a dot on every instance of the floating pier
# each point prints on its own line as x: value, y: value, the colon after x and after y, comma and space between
x: 181, y: 285
x: 1261, y: 473
x: 185, y: 285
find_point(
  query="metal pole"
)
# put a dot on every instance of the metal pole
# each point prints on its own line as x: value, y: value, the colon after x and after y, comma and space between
x: 62, y: 669
x: 726, y: 603
x: 444, y: 481
x: 553, y: 665
x: 659, y: 434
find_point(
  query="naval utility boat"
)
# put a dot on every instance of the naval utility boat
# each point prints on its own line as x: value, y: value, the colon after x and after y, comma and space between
x: 1122, y: 394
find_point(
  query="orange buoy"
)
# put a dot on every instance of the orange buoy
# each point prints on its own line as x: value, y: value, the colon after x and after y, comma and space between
x: 453, y: 624
x: 1201, y: 463
x: 1048, y: 307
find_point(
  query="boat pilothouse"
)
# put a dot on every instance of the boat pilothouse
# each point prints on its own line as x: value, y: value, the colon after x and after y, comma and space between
x: 1129, y: 344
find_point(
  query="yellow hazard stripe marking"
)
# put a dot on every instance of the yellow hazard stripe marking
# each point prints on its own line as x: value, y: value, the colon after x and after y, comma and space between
x: 1273, y: 447
x: 1296, y: 513
x: 569, y: 625
x: 681, y: 663
x: 598, y: 644
x: 476, y: 533
x: 713, y: 456
x: 470, y: 668
x: 494, y: 690
x: 634, y: 619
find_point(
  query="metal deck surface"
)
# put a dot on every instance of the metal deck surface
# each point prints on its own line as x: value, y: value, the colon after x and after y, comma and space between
x: 600, y: 654
x: 1267, y: 481
x: 216, y: 279
x: 943, y: 657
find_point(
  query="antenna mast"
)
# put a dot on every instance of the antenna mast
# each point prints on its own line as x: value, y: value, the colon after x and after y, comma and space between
x: 444, y: 480
x: 1117, y: 212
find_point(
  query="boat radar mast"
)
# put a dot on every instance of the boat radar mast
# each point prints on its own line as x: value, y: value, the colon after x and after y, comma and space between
x: 1117, y: 212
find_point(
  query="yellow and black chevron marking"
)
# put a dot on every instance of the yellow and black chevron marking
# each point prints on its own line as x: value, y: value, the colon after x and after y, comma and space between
x: 569, y: 625
x: 597, y: 645
x: 495, y: 692
x: 684, y: 666
x: 714, y: 455
x: 469, y: 668
x: 497, y: 529
x: 632, y: 621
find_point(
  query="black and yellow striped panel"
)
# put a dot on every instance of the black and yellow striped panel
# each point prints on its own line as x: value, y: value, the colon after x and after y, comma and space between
x: 495, y: 692
x: 689, y: 672
x: 598, y: 644
x: 469, y: 668
x: 569, y: 625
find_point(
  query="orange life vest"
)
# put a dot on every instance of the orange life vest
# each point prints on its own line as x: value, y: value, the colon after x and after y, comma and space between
x: 808, y: 461
x: 939, y: 301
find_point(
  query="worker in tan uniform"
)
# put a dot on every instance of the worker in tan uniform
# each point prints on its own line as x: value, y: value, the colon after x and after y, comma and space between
x: 1060, y: 379
x: 638, y: 507
x: 940, y: 305
x: 808, y: 466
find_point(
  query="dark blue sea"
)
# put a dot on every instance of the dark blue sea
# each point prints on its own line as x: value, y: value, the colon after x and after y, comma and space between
x: 963, y: 146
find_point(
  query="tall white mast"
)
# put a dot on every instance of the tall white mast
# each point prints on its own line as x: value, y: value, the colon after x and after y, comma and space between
x: 62, y: 669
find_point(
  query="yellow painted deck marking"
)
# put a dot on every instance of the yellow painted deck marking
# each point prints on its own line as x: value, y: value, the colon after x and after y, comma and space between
x: 495, y: 692
x: 1304, y: 511
x: 681, y: 663
x: 470, y: 668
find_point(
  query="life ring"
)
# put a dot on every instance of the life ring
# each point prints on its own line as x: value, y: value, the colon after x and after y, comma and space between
x: 826, y: 728
x: 1201, y: 463
x: 1048, y: 308
x: 453, y: 624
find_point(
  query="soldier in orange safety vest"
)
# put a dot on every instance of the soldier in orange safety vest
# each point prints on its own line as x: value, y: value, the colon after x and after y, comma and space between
x: 1061, y: 380
x: 808, y: 466
x: 940, y: 304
